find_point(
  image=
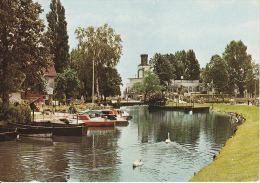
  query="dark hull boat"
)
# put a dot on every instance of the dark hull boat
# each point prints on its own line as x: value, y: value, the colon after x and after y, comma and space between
x: 61, y: 129
x: 8, y: 136
x: 48, y: 130
x: 70, y: 131
x: 27, y: 130
x: 35, y: 131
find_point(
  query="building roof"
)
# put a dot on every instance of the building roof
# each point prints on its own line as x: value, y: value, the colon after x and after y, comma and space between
x: 49, y: 72
x: 173, y: 86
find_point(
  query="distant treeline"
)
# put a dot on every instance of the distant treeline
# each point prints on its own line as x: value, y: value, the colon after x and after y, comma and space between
x: 234, y: 72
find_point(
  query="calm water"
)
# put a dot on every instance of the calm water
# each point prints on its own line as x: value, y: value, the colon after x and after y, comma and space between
x: 107, y: 154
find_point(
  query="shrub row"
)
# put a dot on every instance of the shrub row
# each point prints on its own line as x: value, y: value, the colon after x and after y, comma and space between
x: 15, y: 114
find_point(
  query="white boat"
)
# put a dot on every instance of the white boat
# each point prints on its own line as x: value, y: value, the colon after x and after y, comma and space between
x: 100, y: 122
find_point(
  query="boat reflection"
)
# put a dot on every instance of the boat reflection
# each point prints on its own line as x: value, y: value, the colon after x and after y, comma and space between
x: 36, y: 141
x: 67, y: 139
x: 99, y: 130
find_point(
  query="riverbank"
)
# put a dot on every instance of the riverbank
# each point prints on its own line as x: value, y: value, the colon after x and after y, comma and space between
x: 239, y: 158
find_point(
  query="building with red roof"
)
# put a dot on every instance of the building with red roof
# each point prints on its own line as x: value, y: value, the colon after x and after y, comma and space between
x: 50, y: 75
x: 49, y: 72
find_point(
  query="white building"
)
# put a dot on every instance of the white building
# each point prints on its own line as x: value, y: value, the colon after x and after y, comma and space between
x: 187, y: 86
x: 176, y: 87
x: 49, y: 76
x: 141, y: 69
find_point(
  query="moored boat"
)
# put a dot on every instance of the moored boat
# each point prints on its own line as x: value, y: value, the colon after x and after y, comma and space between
x: 70, y: 131
x: 8, y: 135
x: 119, y: 121
x: 118, y: 113
x: 33, y: 131
x: 110, y: 114
x: 49, y: 129
x: 100, y: 122
x: 125, y: 115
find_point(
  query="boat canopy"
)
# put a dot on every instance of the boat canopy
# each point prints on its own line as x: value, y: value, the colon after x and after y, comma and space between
x: 91, y: 112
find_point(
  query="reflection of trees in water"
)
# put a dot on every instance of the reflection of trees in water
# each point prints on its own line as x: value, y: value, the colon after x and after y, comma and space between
x: 224, y: 129
x: 154, y: 126
x: 31, y: 160
x: 96, y: 158
x: 184, y: 128
x: 62, y: 159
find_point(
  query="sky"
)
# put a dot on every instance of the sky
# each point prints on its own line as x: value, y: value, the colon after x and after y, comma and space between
x: 166, y: 26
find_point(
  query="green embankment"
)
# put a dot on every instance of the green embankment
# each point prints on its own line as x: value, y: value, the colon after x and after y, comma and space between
x: 239, y: 158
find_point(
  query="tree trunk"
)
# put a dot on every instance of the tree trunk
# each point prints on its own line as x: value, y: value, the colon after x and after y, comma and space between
x: 5, y: 98
x: 5, y: 90
x: 241, y: 90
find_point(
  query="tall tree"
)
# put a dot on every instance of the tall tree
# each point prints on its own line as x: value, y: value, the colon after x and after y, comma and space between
x: 193, y: 66
x: 218, y: 73
x: 110, y: 82
x: 57, y: 31
x: 67, y: 83
x: 239, y: 65
x: 252, y: 85
x: 176, y: 65
x: 181, y: 62
x: 149, y: 85
x: 83, y: 65
x: 101, y: 46
x: 186, y: 65
x: 163, y: 68
x: 24, y: 48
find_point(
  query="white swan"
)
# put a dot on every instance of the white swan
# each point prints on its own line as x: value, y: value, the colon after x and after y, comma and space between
x: 138, y: 163
x: 168, y: 140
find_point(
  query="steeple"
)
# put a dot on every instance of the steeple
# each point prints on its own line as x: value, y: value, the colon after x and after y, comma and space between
x: 144, y: 60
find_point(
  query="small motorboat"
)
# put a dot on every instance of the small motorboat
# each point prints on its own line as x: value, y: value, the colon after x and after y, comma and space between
x: 123, y: 114
x: 100, y: 118
x: 100, y: 122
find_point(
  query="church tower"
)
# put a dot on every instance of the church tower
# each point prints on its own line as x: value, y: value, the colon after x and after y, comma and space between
x: 144, y: 66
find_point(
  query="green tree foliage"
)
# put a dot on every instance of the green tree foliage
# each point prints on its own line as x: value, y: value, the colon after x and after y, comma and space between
x: 138, y: 87
x: 101, y: 46
x: 192, y: 66
x: 235, y: 70
x: 239, y: 65
x: 110, y: 82
x: 217, y: 73
x: 57, y: 32
x: 163, y: 68
x: 177, y: 65
x: 34, y: 79
x: 67, y: 83
x: 253, y: 85
x: 15, y: 114
x: 24, y: 48
x: 83, y: 66
x: 181, y: 64
x: 149, y: 85
x: 169, y: 66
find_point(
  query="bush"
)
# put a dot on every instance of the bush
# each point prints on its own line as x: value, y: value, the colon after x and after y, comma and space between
x: 15, y: 114
x: 169, y: 101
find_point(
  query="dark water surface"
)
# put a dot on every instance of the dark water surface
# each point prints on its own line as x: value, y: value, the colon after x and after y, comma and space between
x: 107, y: 154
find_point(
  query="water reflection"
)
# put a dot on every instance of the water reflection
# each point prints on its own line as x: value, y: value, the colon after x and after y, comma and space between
x: 107, y: 154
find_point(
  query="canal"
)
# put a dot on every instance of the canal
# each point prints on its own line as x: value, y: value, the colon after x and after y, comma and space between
x: 107, y: 154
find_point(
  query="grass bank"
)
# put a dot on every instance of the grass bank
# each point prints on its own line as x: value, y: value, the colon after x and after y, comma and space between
x: 239, y: 158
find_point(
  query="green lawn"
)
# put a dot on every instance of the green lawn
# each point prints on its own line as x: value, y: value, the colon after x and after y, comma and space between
x: 239, y: 159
